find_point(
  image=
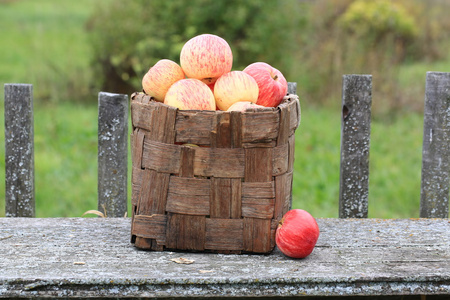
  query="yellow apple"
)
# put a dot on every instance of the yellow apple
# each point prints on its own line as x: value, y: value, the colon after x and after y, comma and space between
x: 190, y: 94
x: 159, y: 78
x: 206, y: 57
x: 233, y: 87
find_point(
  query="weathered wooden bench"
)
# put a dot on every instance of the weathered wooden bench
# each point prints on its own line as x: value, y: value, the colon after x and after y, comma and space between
x: 355, y: 257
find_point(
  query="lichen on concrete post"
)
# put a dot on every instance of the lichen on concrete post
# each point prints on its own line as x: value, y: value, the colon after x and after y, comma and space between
x: 292, y: 87
x: 434, y: 200
x: 355, y: 145
x: 112, y: 153
x: 19, y: 151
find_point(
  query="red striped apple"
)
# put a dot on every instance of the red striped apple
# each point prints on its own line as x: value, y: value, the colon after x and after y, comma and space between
x: 297, y: 234
x: 243, y: 106
x: 190, y: 94
x: 206, y: 57
x: 233, y: 87
x: 271, y: 82
x: 159, y: 78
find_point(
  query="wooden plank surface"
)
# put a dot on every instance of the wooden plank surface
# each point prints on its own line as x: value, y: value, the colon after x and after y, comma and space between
x: 93, y: 257
x: 19, y: 151
x: 434, y: 200
x: 112, y: 153
x: 355, y: 145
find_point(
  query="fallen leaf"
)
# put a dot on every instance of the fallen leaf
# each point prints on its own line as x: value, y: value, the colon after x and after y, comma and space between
x: 79, y: 263
x: 182, y: 260
x: 205, y: 271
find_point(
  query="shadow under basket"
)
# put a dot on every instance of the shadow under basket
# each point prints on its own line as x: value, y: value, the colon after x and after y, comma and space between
x: 210, y: 181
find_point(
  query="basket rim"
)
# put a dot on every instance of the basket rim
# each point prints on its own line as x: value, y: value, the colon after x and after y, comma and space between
x: 288, y: 99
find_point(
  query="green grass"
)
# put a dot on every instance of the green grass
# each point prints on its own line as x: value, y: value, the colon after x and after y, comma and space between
x: 316, y: 165
x: 44, y: 43
x: 412, y: 81
x: 65, y: 160
x: 395, y: 164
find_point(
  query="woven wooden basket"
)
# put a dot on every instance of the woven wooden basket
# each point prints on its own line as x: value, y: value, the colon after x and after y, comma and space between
x: 210, y: 181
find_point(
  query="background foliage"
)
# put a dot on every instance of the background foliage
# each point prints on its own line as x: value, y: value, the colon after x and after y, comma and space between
x: 325, y: 39
x: 72, y: 50
x: 127, y: 47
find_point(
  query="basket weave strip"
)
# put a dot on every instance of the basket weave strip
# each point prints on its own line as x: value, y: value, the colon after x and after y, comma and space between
x: 197, y: 233
x: 217, y: 162
x: 260, y: 127
x: 226, y: 197
x: 227, y: 193
x: 224, y: 234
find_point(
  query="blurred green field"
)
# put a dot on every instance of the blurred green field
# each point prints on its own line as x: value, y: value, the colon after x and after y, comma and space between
x: 395, y: 164
x: 44, y: 42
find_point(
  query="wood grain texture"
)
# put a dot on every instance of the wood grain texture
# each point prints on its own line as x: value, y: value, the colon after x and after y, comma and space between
x: 227, y: 178
x: 224, y: 234
x: 19, y: 151
x: 185, y: 232
x: 195, y: 127
x: 434, y: 202
x: 112, y: 154
x: 355, y: 145
x: 353, y: 257
x: 283, y: 202
x: 259, y: 128
x: 221, y: 197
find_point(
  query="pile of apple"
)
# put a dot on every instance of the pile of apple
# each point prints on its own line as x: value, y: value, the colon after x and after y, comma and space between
x: 204, y: 80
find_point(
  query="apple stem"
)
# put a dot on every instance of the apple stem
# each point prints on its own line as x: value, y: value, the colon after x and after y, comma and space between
x: 275, y: 77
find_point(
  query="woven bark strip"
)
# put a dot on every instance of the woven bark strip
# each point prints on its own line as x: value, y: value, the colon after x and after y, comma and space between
x: 137, y: 142
x: 236, y: 129
x: 224, y: 234
x: 189, y: 195
x: 219, y: 162
x: 273, y: 229
x: 211, y: 181
x: 260, y: 127
x: 258, y: 164
x: 261, y: 208
x: 152, y: 195
x: 262, y: 235
x: 141, y: 115
x: 187, y: 154
x: 161, y: 157
x: 153, y: 192
x: 280, y: 159
x: 152, y: 227
x: 162, y: 124
x: 283, y: 187
x: 291, y: 153
x: 257, y: 235
x: 185, y: 232
x: 136, y: 182
x: 194, y: 128
x: 221, y: 192
x: 221, y: 137
x: 284, y: 128
x: 236, y: 198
